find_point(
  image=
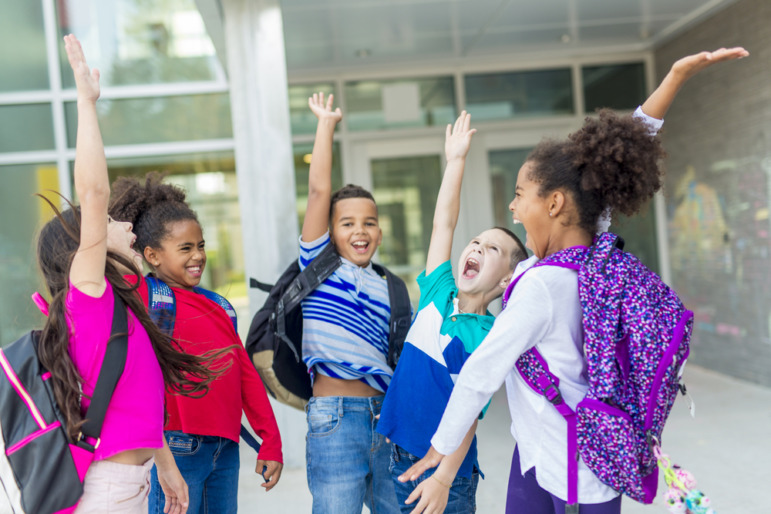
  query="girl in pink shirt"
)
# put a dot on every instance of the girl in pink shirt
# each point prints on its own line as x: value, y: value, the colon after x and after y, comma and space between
x: 83, y: 255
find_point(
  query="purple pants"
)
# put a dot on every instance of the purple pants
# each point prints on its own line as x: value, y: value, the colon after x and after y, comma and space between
x: 525, y: 496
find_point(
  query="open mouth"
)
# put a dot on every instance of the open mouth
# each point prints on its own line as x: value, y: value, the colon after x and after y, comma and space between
x: 195, y: 270
x: 360, y: 246
x: 471, y: 269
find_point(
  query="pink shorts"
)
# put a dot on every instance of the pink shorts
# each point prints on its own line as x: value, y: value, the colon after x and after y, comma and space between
x: 113, y: 487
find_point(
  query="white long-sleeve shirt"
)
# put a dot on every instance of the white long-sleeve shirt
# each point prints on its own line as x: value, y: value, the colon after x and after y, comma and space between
x: 543, y: 309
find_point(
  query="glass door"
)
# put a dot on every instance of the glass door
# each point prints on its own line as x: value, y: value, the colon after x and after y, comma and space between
x: 404, y: 177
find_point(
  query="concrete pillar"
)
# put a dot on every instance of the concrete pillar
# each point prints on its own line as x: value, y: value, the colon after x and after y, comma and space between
x: 256, y: 66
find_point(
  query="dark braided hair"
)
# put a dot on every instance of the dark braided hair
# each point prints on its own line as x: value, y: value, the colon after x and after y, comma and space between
x: 611, y: 162
x: 345, y: 192
x: 151, y: 207
x: 58, y: 242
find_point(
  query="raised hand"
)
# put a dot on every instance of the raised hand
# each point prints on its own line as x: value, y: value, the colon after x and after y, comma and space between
x: 323, y: 110
x: 458, y: 137
x: 86, y: 79
x: 690, y: 65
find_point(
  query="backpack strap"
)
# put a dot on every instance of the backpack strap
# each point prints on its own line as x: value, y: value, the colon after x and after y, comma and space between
x: 222, y: 302
x: 161, y: 305
x: 303, y: 284
x: 401, y: 313
x: 112, y: 368
x: 534, y: 370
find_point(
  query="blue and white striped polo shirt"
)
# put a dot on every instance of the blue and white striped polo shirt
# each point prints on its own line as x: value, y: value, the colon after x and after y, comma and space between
x: 345, y: 322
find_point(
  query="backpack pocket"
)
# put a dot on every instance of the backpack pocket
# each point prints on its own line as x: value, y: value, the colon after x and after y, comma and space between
x: 608, y: 446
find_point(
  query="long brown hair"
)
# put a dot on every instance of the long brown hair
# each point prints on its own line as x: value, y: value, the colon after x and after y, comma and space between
x: 59, y: 239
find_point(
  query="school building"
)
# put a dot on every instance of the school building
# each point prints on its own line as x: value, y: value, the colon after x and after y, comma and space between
x: 214, y: 92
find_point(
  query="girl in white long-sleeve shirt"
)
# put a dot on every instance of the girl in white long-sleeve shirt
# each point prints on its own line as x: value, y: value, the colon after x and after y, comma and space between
x: 562, y: 191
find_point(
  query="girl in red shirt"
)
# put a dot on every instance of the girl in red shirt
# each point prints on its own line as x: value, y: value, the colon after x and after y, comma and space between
x: 202, y: 433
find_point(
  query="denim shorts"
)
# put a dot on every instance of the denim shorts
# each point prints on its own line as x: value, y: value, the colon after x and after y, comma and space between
x: 463, y: 492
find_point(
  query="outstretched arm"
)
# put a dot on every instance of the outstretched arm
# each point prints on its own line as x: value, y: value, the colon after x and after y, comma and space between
x: 320, y: 176
x: 456, y: 146
x: 661, y: 99
x: 91, y: 182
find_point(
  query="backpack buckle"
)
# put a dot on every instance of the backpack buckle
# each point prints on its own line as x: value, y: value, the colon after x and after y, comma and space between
x: 552, y: 393
x: 81, y: 442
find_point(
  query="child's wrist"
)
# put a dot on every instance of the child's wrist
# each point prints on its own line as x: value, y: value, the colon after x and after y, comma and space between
x: 457, y: 158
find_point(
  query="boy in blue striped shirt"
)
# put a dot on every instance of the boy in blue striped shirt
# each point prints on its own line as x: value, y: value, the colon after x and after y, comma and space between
x: 452, y: 321
x: 345, y: 340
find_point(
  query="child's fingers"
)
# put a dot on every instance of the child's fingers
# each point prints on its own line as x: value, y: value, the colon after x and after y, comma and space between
x: 329, y: 101
x: 466, y: 122
x: 448, y: 132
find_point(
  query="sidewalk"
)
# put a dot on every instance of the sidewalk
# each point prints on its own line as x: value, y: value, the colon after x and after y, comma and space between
x: 727, y: 447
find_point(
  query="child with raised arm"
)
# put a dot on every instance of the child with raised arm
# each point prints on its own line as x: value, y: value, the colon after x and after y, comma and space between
x: 562, y: 191
x: 452, y: 320
x: 84, y: 255
x: 345, y: 340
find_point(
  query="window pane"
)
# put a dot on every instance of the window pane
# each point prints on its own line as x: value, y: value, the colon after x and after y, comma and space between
x: 376, y: 105
x: 639, y: 233
x: 24, y: 47
x: 620, y: 86
x: 210, y: 182
x: 492, y: 96
x: 405, y: 190
x: 140, y: 41
x: 26, y: 127
x: 504, y: 168
x: 154, y: 120
x: 303, y: 121
x: 302, y: 162
x: 18, y: 262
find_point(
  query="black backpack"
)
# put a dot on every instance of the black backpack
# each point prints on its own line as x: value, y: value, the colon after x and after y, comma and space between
x: 41, y: 470
x: 274, y: 341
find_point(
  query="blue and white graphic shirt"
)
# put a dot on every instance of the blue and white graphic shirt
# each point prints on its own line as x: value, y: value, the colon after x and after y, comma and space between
x: 438, y: 344
x: 346, y: 322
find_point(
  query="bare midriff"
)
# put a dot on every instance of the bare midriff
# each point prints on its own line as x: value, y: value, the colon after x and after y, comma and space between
x: 328, y: 386
x: 132, y: 457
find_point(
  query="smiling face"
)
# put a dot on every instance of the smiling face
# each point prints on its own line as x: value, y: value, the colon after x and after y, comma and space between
x: 485, y: 263
x: 355, y: 231
x: 182, y: 256
x: 120, y: 240
x: 532, y: 210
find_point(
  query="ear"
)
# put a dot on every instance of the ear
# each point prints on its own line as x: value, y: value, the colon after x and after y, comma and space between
x: 556, y: 203
x: 379, y: 236
x: 151, y: 256
x: 504, y: 283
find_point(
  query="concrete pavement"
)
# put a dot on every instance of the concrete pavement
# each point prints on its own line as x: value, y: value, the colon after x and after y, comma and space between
x: 726, y: 446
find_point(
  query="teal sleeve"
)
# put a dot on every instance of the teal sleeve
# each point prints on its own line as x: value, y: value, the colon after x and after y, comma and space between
x: 438, y: 287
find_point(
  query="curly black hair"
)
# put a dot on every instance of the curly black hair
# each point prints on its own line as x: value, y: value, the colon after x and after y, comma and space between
x: 348, y: 191
x: 611, y: 162
x: 150, y: 206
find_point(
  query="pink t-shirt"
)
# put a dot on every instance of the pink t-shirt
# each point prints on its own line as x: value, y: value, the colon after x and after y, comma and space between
x: 135, y: 416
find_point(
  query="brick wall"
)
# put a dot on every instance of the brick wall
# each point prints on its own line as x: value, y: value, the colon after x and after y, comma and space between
x: 718, y: 191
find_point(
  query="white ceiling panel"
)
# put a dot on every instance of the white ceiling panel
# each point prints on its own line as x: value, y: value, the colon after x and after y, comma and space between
x: 347, y: 34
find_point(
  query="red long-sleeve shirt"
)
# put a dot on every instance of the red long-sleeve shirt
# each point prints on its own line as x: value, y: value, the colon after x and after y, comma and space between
x: 202, y: 326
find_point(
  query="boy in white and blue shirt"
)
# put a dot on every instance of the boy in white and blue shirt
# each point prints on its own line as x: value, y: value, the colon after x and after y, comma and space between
x: 345, y: 341
x: 452, y: 321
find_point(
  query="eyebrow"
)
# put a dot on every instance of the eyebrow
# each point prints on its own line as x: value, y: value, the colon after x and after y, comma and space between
x: 347, y: 218
x: 190, y: 243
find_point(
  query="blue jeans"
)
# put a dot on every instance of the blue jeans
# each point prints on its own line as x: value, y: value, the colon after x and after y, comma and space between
x: 463, y: 493
x: 347, y: 461
x: 209, y: 465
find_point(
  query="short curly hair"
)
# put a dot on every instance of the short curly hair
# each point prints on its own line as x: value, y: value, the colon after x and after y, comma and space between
x: 612, y: 161
x: 345, y: 192
x: 150, y: 206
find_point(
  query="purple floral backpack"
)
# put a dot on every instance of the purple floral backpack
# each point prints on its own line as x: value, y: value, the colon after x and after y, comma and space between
x: 636, y: 342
